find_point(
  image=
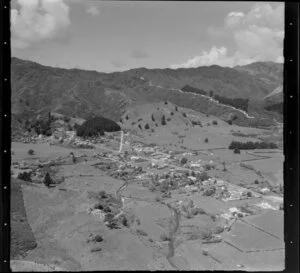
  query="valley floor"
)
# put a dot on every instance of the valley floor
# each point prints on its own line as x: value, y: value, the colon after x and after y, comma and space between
x: 197, y: 224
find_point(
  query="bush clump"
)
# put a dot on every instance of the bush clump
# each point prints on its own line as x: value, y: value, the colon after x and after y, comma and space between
x: 97, y: 125
x: 30, y: 152
x: 215, y: 122
x: 206, y: 140
x: 147, y: 126
x: 184, y: 115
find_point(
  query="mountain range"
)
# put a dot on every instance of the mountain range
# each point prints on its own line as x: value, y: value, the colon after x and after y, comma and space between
x: 38, y: 89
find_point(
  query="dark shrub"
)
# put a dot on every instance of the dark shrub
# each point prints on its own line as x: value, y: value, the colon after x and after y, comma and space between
x: 98, y: 238
x: 66, y: 119
x: 184, y: 115
x: 30, y: 152
x: 140, y: 126
x: 215, y: 122
x: 229, y: 122
x: 96, y: 125
x: 152, y: 117
x: 172, y: 113
x: 166, y: 102
x: 176, y: 108
x: 127, y: 117
x: 203, y: 176
x: 237, y: 151
x: 147, y: 126
x: 206, y: 140
x: 183, y: 161
x: 26, y: 176
x: 164, y: 237
x: 102, y: 194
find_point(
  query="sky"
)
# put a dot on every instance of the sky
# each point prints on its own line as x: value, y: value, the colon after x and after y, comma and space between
x: 112, y: 36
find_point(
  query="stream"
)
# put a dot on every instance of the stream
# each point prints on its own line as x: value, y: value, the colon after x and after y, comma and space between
x: 174, y: 221
x: 174, y: 225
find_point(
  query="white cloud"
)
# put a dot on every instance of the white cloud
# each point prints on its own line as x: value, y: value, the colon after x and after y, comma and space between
x: 258, y: 36
x: 214, y: 56
x: 37, y: 20
x: 94, y: 11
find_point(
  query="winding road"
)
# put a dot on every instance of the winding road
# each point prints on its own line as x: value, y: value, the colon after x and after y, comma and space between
x: 204, y: 96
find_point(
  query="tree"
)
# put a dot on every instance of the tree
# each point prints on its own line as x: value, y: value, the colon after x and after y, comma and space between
x: 147, y: 126
x: 183, y: 161
x: 211, y: 93
x: 31, y: 152
x: 47, y: 180
x: 215, y: 122
x: 184, y: 114
x: 206, y: 140
x: 166, y: 102
x: 176, y: 108
x: 152, y: 117
x: 163, y: 120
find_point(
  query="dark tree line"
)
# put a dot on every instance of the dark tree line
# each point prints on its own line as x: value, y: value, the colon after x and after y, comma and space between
x: 237, y: 102
x: 188, y: 88
x: 277, y: 107
x: 249, y: 145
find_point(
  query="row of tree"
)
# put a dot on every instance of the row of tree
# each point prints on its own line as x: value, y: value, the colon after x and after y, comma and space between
x: 237, y: 102
x: 249, y: 145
